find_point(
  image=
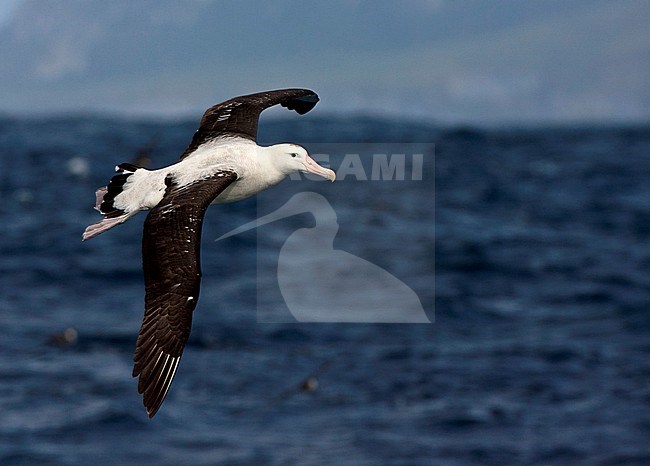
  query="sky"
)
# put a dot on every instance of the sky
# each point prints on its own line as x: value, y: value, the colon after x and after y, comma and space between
x: 469, y: 61
x: 6, y: 9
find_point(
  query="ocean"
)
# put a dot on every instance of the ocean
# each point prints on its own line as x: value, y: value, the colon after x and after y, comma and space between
x: 527, y: 247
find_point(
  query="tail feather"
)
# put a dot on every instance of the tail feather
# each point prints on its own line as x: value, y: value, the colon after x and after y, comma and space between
x: 99, y: 197
x: 105, y: 224
x: 104, y: 202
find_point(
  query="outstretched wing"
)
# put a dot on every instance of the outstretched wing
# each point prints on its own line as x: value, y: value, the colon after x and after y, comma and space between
x: 171, y: 249
x: 239, y: 116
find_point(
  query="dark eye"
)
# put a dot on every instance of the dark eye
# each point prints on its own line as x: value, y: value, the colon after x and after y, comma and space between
x: 293, y: 154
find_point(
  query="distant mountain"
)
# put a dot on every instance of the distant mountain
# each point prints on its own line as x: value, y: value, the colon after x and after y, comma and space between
x: 470, y: 60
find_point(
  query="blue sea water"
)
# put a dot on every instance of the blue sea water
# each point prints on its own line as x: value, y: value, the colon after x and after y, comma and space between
x: 527, y: 247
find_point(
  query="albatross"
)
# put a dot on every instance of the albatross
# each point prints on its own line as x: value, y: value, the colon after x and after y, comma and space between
x: 223, y: 163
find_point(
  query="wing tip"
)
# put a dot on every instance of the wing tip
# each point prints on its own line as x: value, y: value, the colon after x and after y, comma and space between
x: 152, y: 410
x: 154, y: 384
x: 302, y: 104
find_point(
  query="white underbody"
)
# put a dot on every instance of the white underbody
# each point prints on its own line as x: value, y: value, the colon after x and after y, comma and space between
x: 146, y: 188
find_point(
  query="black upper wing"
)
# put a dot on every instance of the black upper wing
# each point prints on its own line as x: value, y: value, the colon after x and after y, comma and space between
x: 171, y: 250
x: 239, y: 116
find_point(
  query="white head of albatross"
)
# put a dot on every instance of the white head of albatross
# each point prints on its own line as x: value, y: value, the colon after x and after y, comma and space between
x: 291, y: 158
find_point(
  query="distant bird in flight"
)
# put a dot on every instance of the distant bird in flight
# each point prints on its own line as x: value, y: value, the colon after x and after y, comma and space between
x: 223, y: 163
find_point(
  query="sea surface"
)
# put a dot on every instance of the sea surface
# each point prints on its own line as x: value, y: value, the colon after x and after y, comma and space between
x: 528, y: 248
